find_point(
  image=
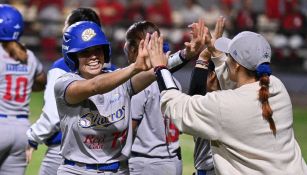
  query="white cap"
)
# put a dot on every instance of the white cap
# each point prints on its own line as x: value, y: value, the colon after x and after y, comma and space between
x: 249, y: 49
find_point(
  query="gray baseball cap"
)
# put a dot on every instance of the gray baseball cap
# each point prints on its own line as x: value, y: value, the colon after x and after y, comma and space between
x: 249, y: 49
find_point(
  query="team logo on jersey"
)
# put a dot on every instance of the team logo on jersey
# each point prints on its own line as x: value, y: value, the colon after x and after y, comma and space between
x: 85, y: 122
x: 96, y: 120
x: 88, y: 34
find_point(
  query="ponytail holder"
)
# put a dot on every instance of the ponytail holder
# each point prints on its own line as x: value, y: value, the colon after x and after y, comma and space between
x: 263, y: 69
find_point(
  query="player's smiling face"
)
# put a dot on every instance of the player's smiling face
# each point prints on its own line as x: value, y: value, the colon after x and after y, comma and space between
x: 91, y: 61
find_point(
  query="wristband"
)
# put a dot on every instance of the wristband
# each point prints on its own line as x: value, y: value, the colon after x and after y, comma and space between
x: 159, y: 67
x: 181, y: 55
x: 164, y: 79
x: 33, y: 144
x: 175, y: 60
x: 204, y: 63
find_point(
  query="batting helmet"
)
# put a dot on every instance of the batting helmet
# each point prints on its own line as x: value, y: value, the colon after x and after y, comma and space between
x: 11, y: 23
x: 80, y: 36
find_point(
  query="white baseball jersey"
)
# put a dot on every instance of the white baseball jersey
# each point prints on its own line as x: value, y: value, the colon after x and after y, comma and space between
x: 16, y: 82
x: 49, y: 121
x: 97, y: 130
x: 156, y: 135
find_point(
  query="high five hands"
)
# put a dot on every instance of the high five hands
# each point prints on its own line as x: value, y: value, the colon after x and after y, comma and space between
x: 150, y: 53
x: 151, y: 49
x: 218, y: 32
x: 142, y: 62
x: 197, y: 42
x: 155, y: 50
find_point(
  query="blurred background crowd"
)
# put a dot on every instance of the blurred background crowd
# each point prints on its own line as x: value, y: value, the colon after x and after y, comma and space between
x: 282, y: 22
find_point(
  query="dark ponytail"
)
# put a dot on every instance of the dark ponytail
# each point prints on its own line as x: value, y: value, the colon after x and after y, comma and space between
x: 16, y: 50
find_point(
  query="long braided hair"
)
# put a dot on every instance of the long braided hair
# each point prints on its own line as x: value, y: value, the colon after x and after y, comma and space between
x: 263, y: 73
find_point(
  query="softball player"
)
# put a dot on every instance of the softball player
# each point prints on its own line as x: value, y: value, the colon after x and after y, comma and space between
x: 155, y: 149
x: 250, y: 127
x: 47, y: 128
x: 20, y: 73
x: 94, y: 108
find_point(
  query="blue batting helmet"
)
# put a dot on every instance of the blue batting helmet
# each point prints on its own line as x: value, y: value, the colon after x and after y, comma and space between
x: 11, y: 23
x: 80, y: 36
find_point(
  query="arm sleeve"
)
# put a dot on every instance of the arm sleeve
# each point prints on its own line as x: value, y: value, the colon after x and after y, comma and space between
x: 198, y: 81
x: 222, y: 72
x: 202, y: 153
x: 177, y: 66
x: 138, y: 102
x: 48, y: 122
x: 196, y: 115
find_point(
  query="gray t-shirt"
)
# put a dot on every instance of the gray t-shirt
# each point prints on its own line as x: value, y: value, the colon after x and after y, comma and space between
x: 156, y: 135
x: 16, y: 82
x: 97, y: 130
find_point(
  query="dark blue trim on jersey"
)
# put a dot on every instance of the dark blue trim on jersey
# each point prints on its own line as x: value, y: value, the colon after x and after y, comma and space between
x: 101, y: 167
x: 60, y: 64
x: 201, y: 172
x: 33, y: 144
x: 55, y: 139
x: 17, y: 116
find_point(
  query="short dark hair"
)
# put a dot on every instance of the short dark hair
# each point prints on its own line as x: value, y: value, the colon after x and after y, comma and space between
x: 138, y: 30
x: 83, y: 14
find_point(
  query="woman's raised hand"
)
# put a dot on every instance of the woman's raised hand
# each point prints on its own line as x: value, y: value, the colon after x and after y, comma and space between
x: 197, y: 42
x: 155, y: 50
x: 218, y: 32
x: 142, y: 62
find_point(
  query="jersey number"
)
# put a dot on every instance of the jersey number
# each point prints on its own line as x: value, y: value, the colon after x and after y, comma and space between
x: 122, y: 136
x: 20, y: 91
x: 172, y: 133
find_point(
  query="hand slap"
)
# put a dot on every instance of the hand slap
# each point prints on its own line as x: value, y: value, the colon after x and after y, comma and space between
x: 142, y: 62
x: 155, y: 50
x: 197, y: 42
x: 218, y: 32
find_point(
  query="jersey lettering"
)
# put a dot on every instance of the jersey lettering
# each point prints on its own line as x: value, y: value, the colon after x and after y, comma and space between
x: 94, y: 142
x: 96, y: 120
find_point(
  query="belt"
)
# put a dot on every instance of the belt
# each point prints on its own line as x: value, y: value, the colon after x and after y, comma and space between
x: 204, y: 172
x: 17, y: 116
x: 201, y: 172
x: 113, y: 167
